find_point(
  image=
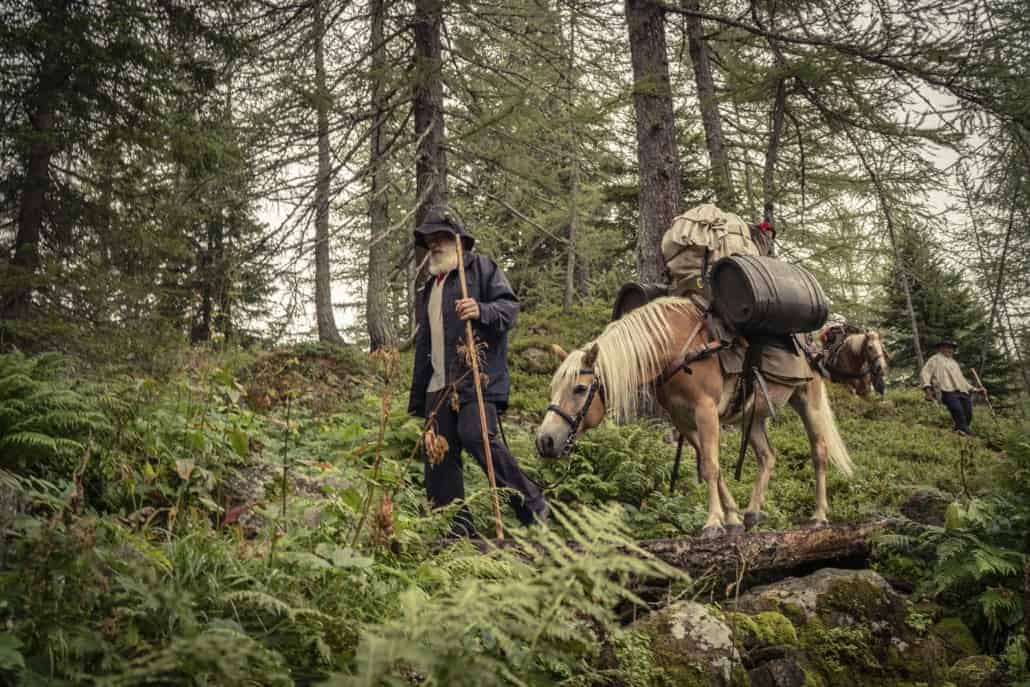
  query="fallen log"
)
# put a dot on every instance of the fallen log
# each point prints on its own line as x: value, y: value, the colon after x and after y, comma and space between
x: 767, y: 552
x: 757, y: 556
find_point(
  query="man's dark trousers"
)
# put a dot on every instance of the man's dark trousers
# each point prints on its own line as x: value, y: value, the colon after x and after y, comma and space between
x: 445, y: 482
x: 960, y: 406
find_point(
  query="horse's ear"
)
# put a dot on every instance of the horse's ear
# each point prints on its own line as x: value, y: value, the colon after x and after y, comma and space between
x: 559, y: 351
x: 591, y: 356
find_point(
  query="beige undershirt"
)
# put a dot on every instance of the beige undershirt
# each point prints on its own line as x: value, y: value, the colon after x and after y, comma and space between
x: 434, y: 310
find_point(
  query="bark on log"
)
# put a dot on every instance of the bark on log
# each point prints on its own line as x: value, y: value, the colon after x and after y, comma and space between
x: 754, y: 555
x: 767, y: 553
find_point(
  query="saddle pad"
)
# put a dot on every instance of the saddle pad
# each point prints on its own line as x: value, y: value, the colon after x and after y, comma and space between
x: 777, y: 362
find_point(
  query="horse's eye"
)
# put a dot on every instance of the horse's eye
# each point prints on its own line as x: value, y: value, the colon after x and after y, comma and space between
x: 579, y: 389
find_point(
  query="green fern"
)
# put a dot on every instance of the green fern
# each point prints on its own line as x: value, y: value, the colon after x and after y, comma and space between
x: 515, y: 630
x: 45, y: 421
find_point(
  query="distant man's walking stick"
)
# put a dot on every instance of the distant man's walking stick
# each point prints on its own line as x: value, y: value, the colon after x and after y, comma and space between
x: 470, y: 342
x: 987, y: 398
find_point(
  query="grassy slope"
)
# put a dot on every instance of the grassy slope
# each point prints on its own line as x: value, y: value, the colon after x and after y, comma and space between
x: 134, y: 570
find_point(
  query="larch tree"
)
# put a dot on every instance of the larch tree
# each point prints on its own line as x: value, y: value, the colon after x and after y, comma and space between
x: 657, y: 149
x: 378, y: 319
x: 324, y: 317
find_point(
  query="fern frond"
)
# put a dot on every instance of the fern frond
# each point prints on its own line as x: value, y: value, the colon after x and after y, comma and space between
x: 259, y: 601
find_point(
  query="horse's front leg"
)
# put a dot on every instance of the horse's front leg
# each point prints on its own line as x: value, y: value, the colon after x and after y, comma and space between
x: 706, y: 419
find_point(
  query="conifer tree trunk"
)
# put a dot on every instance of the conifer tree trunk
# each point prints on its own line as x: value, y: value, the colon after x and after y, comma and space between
x: 377, y: 307
x: 201, y: 329
x: 430, y: 157
x: 570, y: 257
x: 708, y: 101
x: 431, y: 161
x: 42, y: 106
x: 327, y: 330
x: 657, y: 152
x: 772, y: 153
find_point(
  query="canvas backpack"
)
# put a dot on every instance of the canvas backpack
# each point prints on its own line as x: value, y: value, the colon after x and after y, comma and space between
x: 697, y: 239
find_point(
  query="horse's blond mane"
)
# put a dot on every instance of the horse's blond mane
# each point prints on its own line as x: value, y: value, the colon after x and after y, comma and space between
x: 631, y: 352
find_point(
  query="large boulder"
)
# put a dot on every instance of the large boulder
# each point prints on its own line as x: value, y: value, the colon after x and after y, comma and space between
x: 694, y: 645
x: 851, y: 628
x: 838, y: 598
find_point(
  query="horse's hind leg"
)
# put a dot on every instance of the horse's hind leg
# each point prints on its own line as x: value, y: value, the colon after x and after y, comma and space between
x: 766, y: 462
x: 806, y: 402
x: 706, y: 419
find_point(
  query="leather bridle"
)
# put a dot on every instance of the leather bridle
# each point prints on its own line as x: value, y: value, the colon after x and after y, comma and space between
x: 575, y: 422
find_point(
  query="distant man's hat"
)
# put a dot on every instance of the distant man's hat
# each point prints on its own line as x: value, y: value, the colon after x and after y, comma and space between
x: 946, y: 342
x: 442, y: 218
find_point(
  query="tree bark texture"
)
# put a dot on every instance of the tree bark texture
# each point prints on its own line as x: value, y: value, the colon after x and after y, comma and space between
x: 327, y: 330
x: 25, y: 262
x: 427, y: 99
x: 430, y: 157
x: 377, y: 306
x: 657, y: 152
x: 708, y: 101
x: 772, y: 153
x: 756, y: 555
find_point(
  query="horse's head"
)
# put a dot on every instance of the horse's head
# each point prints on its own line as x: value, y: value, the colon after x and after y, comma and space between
x: 577, y: 403
x: 876, y: 357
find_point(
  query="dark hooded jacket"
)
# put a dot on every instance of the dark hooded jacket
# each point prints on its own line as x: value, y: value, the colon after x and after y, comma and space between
x: 498, y: 308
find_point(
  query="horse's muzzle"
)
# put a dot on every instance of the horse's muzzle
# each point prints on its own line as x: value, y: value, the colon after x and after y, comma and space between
x: 545, y: 446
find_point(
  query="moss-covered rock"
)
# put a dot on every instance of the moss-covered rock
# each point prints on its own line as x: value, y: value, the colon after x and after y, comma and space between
x: 922, y: 658
x: 860, y: 599
x: 958, y: 640
x: 693, y: 645
x: 845, y: 655
x: 837, y: 597
x: 767, y: 628
x: 780, y: 672
x: 974, y: 671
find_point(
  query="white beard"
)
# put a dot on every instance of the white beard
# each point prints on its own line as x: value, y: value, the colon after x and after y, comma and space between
x: 443, y: 262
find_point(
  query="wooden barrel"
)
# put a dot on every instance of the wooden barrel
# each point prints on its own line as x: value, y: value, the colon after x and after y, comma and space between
x: 634, y: 294
x: 760, y: 295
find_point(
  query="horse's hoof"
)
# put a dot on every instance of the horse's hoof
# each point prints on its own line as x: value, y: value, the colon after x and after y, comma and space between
x: 815, y: 524
x: 713, y: 532
x: 734, y: 530
x: 752, y: 520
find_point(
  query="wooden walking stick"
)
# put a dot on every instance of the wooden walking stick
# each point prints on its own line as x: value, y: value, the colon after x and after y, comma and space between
x: 987, y: 398
x: 470, y: 342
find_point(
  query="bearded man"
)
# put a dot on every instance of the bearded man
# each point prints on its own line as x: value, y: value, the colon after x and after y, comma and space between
x: 442, y: 379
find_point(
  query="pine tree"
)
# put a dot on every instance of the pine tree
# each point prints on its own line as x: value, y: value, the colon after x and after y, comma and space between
x: 945, y: 309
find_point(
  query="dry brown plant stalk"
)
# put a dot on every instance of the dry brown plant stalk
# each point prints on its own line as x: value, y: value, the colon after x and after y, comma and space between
x: 387, y: 360
x: 382, y: 523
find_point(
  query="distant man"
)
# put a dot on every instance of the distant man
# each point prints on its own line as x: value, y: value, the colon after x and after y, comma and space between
x: 942, y: 379
x: 441, y: 378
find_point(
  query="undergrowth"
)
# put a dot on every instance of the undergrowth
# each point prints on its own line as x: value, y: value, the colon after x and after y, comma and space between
x: 197, y: 527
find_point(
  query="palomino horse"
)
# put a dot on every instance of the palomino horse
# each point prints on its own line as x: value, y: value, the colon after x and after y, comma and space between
x: 858, y: 361
x: 645, y: 348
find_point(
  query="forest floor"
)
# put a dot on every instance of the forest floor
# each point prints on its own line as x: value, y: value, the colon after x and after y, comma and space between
x: 147, y: 537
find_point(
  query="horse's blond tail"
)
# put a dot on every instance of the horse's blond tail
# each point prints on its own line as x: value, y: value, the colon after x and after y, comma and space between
x: 835, y: 448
